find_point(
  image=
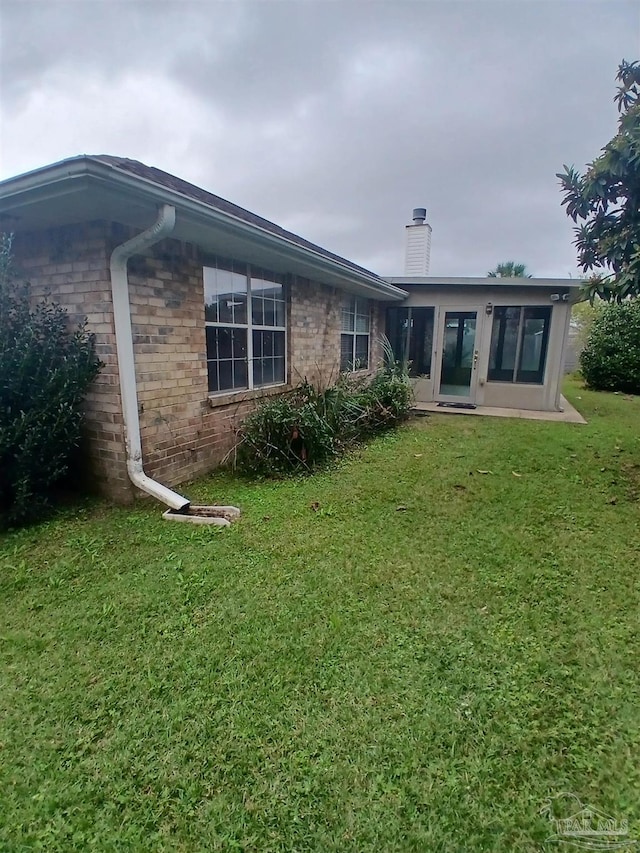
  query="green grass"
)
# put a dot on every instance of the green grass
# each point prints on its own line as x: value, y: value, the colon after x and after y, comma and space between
x: 345, y: 676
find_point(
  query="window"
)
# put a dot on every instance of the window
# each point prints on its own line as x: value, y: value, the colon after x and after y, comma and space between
x: 410, y: 332
x: 245, y: 313
x: 519, y: 340
x: 354, y: 340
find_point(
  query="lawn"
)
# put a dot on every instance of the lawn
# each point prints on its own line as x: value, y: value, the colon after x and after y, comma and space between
x: 410, y: 652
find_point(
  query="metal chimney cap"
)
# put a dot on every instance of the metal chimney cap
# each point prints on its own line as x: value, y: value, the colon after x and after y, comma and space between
x: 419, y: 215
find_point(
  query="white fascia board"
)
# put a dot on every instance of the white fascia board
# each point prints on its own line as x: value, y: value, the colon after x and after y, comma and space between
x: 479, y: 281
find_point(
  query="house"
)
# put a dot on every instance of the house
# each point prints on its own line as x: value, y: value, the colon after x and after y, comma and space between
x: 200, y: 309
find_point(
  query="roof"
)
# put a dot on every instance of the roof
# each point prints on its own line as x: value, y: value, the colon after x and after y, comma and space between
x: 165, y: 179
x: 198, y: 209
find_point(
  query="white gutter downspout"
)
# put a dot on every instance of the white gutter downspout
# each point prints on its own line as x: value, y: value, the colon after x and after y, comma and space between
x: 126, y: 365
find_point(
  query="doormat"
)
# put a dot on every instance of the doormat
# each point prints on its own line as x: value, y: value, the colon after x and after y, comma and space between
x: 457, y: 405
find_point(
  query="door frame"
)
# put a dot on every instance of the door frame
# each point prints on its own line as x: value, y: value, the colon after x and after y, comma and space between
x: 439, y: 347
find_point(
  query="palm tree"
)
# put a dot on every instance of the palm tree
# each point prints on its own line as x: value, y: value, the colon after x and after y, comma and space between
x: 509, y: 269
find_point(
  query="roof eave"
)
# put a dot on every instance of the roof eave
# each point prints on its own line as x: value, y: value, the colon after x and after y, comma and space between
x: 479, y: 281
x: 54, y: 176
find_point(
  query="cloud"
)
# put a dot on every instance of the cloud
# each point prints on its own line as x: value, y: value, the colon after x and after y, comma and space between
x: 334, y: 119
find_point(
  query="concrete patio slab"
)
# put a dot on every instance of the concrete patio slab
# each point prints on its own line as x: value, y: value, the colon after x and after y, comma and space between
x: 567, y: 414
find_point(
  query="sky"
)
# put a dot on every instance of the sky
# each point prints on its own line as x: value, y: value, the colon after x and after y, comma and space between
x: 334, y: 118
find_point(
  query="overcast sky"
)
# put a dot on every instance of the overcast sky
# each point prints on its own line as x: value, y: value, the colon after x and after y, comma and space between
x: 334, y: 118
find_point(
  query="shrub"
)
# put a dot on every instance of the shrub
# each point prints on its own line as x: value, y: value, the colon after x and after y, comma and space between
x: 285, y: 435
x: 610, y: 360
x: 45, y: 369
x: 583, y: 315
x: 310, y: 427
x: 385, y: 401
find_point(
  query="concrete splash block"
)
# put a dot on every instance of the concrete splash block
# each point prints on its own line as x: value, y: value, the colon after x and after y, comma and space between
x: 222, y: 516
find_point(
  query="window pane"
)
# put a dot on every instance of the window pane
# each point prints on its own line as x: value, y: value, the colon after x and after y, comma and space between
x: 280, y: 307
x: 533, y: 349
x: 267, y: 371
x: 346, y: 352
x: 421, y: 341
x: 272, y: 289
x: 212, y: 345
x: 362, y: 315
x: 226, y: 358
x: 268, y: 303
x: 362, y: 323
x: 210, y: 295
x: 504, y: 343
x: 239, y: 290
x: 257, y: 310
x: 257, y: 372
x: 531, y: 344
x: 278, y: 369
x: 224, y: 289
x: 239, y: 374
x: 212, y: 370
x: 278, y: 344
x: 397, y: 331
x: 510, y: 344
x: 225, y: 292
x: 268, y: 357
x: 269, y: 312
x: 226, y: 375
x: 468, y: 341
x: 260, y: 286
x: 257, y: 344
x: 239, y: 343
x: 348, y: 313
x: 362, y: 352
x: 224, y: 339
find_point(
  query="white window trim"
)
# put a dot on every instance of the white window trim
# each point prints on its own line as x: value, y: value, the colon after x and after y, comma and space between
x: 249, y: 327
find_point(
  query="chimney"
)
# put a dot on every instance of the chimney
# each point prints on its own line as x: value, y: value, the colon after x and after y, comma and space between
x: 418, y: 246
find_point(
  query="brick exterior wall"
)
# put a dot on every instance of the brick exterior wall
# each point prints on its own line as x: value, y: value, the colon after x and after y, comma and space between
x: 71, y: 264
x: 185, y: 431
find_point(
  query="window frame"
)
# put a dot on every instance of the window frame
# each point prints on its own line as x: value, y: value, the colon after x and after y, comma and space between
x: 516, y: 375
x: 348, y: 301
x: 252, y: 272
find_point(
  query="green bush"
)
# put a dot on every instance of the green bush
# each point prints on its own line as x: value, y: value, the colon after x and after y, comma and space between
x: 310, y: 427
x: 610, y: 360
x: 285, y: 435
x: 385, y: 401
x: 45, y: 369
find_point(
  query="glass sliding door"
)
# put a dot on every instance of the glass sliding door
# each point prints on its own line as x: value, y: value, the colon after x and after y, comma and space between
x: 459, y: 354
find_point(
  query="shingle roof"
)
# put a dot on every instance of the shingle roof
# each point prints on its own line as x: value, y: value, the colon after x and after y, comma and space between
x: 171, y: 182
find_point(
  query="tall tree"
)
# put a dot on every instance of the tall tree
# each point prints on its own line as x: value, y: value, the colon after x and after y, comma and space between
x: 606, y: 200
x: 509, y: 269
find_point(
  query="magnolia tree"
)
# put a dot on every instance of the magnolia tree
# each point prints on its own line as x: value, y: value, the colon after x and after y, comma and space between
x: 605, y: 201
